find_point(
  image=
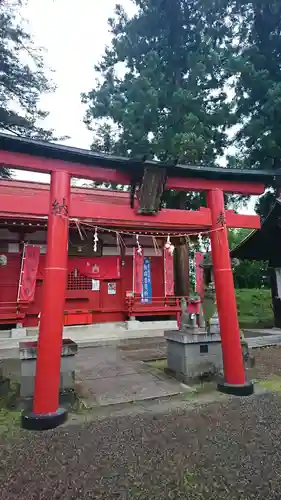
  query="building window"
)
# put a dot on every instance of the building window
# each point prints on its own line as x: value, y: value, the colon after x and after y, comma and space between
x: 76, y: 281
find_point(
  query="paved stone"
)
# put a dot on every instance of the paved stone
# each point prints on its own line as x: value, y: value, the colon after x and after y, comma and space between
x: 134, y: 387
x: 102, y: 363
x: 107, y: 376
x: 269, y: 340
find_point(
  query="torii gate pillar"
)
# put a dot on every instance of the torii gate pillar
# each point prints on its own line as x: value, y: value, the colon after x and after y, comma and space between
x: 234, y: 373
x: 46, y: 413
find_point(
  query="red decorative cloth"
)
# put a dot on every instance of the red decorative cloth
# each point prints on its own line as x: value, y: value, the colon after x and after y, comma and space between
x: 138, y: 272
x: 29, y: 273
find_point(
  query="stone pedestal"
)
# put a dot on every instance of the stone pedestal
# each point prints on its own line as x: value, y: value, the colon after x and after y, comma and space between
x: 133, y: 324
x: 193, y: 354
x: 214, y: 324
x: 28, y: 356
x: 18, y: 333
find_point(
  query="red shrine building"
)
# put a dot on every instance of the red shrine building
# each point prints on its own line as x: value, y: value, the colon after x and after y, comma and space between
x: 102, y: 257
x: 104, y: 253
x: 81, y: 256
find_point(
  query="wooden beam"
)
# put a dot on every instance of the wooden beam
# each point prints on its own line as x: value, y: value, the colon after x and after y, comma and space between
x: 46, y: 165
x: 184, y: 184
x: 111, y: 215
x: 245, y: 221
x: 17, y: 201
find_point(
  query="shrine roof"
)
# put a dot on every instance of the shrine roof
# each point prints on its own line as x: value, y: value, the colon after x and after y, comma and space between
x: 131, y: 165
x: 264, y: 243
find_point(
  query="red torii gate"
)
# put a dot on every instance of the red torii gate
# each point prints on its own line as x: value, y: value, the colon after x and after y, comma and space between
x: 63, y: 163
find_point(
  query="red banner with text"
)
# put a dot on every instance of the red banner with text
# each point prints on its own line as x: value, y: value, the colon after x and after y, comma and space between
x: 199, y: 257
x: 29, y: 273
x: 138, y: 272
x: 98, y: 268
x: 169, y: 272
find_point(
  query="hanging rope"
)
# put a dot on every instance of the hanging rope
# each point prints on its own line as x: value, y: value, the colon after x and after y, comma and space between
x: 146, y: 233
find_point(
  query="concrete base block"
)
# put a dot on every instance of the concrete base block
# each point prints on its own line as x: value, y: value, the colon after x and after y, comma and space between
x: 214, y: 324
x: 67, y: 364
x: 67, y: 383
x: 67, y: 399
x: 28, y: 369
x: 18, y: 333
x: 193, y: 356
x: 26, y: 386
x: 133, y: 324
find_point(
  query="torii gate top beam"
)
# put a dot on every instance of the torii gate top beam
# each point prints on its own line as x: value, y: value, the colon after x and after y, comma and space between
x: 41, y: 156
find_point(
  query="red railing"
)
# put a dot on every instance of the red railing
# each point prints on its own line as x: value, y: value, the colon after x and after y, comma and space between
x: 153, y: 306
x: 12, y: 311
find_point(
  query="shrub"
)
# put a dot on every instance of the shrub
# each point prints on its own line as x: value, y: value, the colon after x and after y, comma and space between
x: 254, y: 308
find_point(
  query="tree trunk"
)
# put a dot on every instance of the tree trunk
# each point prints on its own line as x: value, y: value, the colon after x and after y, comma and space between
x: 181, y: 263
x: 181, y: 260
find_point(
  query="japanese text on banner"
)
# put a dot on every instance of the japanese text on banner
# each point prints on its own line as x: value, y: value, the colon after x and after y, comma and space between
x: 146, y: 284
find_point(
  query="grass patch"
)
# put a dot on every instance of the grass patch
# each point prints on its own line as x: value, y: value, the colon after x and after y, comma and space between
x: 254, y: 308
x: 203, y: 387
x: 158, y: 364
x: 193, y: 487
x: 189, y: 480
x: 271, y: 384
x: 9, y: 422
x: 81, y: 406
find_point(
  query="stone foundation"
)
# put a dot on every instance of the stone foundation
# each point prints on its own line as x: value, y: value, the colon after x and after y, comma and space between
x: 28, y: 356
x: 193, y: 355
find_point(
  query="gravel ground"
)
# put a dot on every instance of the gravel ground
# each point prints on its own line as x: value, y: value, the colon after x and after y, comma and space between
x: 267, y: 362
x: 223, y: 451
x: 267, y: 359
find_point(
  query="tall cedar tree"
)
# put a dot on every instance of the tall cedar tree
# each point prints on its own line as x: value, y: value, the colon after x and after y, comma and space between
x: 256, y: 27
x: 22, y: 79
x: 169, y: 103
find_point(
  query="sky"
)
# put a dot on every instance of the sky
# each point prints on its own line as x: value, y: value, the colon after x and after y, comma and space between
x: 74, y: 36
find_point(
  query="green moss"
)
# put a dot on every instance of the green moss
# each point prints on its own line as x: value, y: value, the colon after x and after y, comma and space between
x: 9, y: 422
x: 271, y: 384
x: 193, y: 487
x: 158, y: 364
x: 189, y: 480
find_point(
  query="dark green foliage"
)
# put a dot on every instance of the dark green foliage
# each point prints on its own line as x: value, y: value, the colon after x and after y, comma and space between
x: 170, y: 104
x: 254, y: 308
x: 255, y: 65
x: 251, y: 274
x: 258, y: 83
x: 178, y: 59
x: 235, y: 236
x: 247, y: 274
x: 22, y: 78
